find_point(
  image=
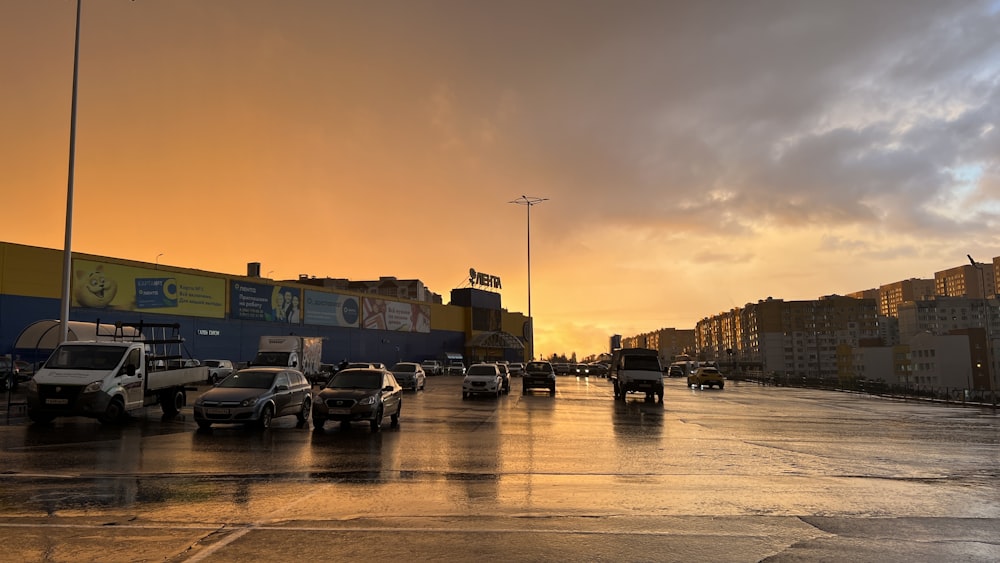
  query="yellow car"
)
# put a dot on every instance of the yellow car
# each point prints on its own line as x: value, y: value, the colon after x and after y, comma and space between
x: 706, y: 377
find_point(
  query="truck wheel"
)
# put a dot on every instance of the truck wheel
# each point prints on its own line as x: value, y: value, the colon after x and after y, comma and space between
x: 114, y: 413
x: 172, y: 401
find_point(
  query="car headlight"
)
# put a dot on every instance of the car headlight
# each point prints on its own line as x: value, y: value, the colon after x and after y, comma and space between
x: 369, y: 400
x: 93, y: 387
x: 249, y: 402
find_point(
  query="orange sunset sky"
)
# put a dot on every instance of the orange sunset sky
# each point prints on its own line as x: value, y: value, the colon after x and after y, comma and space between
x: 696, y: 156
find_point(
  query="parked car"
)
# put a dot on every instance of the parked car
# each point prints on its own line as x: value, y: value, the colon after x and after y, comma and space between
x: 359, y: 394
x: 8, y: 373
x: 432, y: 367
x: 561, y: 368
x: 256, y: 396
x: 24, y: 370
x: 505, y: 374
x: 598, y: 370
x: 365, y: 365
x: 706, y: 376
x: 516, y: 368
x: 325, y: 372
x: 538, y: 374
x: 455, y: 367
x: 410, y: 375
x: 482, y: 379
x: 218, y: 370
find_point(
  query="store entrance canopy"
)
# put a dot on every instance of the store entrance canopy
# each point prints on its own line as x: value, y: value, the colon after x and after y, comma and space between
x: 498, y: 339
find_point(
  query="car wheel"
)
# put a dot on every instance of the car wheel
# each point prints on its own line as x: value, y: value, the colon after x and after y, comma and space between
x: 204, y: 425
x: 303, y: 415
x: 464, y: 395
x: 552, y: 391
x: 659, y: 395
x: 264, y: 422
x: 318, y: 423
x: 394, y: 419
x: 376, y: 423
x: 114, y: 413
x: 721, y: 385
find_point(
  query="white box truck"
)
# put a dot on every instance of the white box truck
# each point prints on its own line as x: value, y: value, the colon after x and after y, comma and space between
x: 636, y: 370
x: 304, y: 353
x: 112, y: 375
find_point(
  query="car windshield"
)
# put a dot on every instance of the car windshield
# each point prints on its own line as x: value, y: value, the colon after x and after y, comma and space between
x: 482, y: 370
x: 212, y: 363
x: 356, y: 380
x: 249, y: 380
x: 538, y: 366
x: 86, y: 357
x: 404, y: 367
x: 649, y: 363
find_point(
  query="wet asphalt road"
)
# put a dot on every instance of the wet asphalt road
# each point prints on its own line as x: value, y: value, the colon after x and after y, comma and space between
x: 747, y: 473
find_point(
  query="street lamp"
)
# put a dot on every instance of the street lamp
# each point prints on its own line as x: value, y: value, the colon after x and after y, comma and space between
x: 157, y: 266
x: 989, y: 339
x: 528, y: 202
x: 67, y: 244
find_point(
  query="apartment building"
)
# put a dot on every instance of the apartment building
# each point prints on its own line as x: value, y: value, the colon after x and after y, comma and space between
x: 966, y: 281
x: 790, y: 337
x: 891, y: 295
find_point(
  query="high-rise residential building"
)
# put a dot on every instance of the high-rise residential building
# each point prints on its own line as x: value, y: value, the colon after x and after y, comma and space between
x: 966, y: 281
x: 942, y: 315
x: 891, y: 295
x: 790, y: 337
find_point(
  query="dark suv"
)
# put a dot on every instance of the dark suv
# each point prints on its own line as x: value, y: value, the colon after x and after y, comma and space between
x: 538, y: 374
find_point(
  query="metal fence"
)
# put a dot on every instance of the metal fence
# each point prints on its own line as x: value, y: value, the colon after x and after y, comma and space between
x: 951, y: 395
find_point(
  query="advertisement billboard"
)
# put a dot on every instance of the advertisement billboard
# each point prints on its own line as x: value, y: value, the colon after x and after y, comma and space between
x: 265, y: 302
x: 98, y: 285
x: 382, y: 314
x: 331, y: 309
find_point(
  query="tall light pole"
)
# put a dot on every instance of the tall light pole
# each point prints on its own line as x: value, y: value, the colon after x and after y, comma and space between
x: 528, y: 202
x: 67, y: 244
x: 989, y: 338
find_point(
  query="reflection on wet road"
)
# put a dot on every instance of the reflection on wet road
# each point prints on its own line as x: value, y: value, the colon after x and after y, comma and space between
x: 741, y: 474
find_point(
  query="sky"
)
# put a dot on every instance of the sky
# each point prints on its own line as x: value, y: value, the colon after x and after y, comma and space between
x: 695, y: 156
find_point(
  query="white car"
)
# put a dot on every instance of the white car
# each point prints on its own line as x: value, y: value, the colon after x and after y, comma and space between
x: 218, y: 370
x: 482, y: 379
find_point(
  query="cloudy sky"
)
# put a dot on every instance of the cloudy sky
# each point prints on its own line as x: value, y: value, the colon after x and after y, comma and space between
x: 696, y: 156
